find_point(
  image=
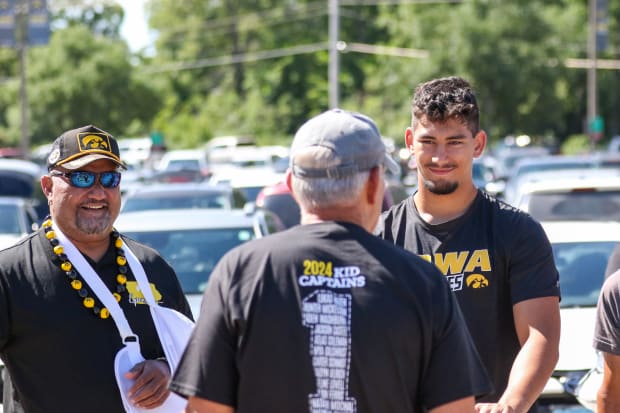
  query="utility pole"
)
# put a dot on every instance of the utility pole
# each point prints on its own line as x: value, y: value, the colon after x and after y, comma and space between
x: 592, y: 55
x: 333, y: 69
x: 21, y: 12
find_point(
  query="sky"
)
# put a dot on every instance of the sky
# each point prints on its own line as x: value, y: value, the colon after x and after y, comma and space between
x: 134, y: 28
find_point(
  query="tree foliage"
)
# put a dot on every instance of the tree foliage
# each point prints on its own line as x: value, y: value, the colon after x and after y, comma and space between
x: 260, y: 67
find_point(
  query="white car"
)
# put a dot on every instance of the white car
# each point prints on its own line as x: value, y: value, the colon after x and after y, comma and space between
x: 193, y: 240
x: 178, y: 196
x: 18, y: 218
x: 581, y: 250
x: 571, y: 195
x: 184, y: 159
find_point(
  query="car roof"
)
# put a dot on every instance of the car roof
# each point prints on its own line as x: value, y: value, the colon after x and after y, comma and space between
x: 565, y: 181
x: 178, y: 188
x: 187, y: 219
x: 581, y: 231
x: 14, y: 200
x: 22, y: 166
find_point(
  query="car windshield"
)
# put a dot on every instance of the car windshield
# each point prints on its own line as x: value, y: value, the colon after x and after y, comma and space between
x: 582, y: 271
x: 183, y: 164
x: 576, y: 205
x: 193, y: 253
x: 9, y: 224
x: 170, y: 201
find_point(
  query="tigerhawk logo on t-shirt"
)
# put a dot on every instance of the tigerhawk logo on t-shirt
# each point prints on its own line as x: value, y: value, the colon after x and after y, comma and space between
x: 318, y: 273
x: 462, y: 268
x: 135, y: 295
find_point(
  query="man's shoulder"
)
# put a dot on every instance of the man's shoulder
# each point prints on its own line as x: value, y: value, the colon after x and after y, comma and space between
x: 504, y: 212
x: 611, y: 286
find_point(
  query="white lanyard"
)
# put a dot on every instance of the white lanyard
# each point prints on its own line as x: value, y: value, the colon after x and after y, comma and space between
x: 101, y: 290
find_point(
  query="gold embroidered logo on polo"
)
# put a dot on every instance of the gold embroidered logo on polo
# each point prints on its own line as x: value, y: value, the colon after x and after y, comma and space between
x: 135, y: 295
x: 89, y: 141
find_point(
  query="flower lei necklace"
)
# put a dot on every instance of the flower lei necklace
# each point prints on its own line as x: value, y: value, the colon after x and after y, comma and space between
x: 72, y: 275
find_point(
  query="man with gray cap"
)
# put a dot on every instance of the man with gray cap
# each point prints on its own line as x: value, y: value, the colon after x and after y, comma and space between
x: 60, y: 286
x: 326, y: 317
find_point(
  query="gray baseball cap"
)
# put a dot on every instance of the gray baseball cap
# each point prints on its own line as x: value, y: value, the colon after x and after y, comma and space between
x: 350, y: 142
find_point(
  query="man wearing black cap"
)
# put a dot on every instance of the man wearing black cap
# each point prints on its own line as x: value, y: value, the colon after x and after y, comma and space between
x: 58, y: 339
x: 326, y: 317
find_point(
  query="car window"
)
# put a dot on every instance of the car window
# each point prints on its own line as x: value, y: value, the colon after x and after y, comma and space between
x: 211, y: 200
x: 9, y: 220
x: 193, y: 253
x: 582, y: 271
x: 16, y: 184
x: 577, y: 205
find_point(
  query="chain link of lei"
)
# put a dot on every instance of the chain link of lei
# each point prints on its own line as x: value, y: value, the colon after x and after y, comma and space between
x: 73, y: 276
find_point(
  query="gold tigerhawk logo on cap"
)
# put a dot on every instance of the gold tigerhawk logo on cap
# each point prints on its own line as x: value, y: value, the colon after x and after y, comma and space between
x: 93, y: 141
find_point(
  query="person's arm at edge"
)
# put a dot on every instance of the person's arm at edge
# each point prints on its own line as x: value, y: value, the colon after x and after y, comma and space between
x: 537, y: 322
x: 463, y: 405
x: 200, y: 405
x: 608, y: 396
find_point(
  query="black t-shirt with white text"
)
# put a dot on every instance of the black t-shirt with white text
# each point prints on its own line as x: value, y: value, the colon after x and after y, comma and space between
x: 328, y: 317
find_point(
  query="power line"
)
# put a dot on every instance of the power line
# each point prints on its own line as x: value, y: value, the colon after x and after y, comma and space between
x: 238, y: 58
x: 393, y: 2
x: 258, y: 19
x: 384, y: 50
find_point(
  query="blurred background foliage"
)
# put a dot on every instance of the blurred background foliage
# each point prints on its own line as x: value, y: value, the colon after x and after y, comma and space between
x: 259, y: 67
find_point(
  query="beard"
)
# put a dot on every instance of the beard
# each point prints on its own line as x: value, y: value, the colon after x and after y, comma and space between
x: 94, y: 225
x: 440, y: 187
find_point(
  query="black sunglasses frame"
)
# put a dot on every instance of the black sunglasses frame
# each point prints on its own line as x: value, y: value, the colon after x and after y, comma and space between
x: 93, y: 178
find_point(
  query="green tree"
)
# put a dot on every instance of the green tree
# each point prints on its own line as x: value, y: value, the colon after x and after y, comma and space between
x: 269, y: 79
x: 512, y: 53
x: 81, y: 78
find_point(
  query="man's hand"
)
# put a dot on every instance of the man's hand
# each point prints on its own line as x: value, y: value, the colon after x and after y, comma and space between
x: 150, y: 388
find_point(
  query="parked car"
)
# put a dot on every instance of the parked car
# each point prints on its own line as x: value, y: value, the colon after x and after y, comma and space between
x: 18, y: 218
x: 184, y: 160
x: 581, y: 250
x: 247, y: 182
x: 582, y: 195
x: 20, y: 178
x: 177, y: 196
x: 193, y: 240
x: 278, y: 199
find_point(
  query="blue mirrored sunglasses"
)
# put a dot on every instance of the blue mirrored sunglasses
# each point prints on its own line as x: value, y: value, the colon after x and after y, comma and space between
x: 85, y: 179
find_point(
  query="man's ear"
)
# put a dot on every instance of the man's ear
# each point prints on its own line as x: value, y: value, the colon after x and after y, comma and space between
x: 46, y: 186
x: 409, y: 139
x: 289, y: 182
x: 480, y: 144
x: 373, y: 185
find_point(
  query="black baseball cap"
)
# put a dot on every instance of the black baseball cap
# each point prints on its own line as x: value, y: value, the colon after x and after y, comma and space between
x: 78, y: 147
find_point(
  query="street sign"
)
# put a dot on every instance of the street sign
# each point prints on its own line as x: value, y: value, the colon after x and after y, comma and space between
x: 601, y: 25
x: 7, y: 23
x: 38, y: 23
x: 597, y: 125
x: 596, y: 128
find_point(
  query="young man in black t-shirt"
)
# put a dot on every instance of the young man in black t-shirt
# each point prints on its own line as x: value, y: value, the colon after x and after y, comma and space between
x: 326, y: 317
x: 497, y: 260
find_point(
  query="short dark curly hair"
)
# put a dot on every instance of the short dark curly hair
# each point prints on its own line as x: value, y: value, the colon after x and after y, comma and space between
x: 446, y: 98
